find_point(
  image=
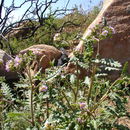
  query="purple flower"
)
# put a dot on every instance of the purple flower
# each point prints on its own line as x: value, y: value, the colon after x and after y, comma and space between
x: 17, y: 61
x: 112, y: 29
x: 82, y: 105
x: 105, y: 33
x: 43, y: 88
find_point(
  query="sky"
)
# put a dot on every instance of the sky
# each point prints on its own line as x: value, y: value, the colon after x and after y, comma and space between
x: 86, y: 5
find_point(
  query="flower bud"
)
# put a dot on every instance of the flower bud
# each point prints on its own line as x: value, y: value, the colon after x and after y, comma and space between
x: 43, y: 88
x: 82, y: 105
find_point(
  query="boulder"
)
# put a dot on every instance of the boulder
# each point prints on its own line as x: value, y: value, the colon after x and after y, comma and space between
x: 117, y: 15
x: 44, y: 53
x: 4, y: 57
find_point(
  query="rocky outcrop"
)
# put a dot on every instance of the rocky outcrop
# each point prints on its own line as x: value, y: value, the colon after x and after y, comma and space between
x: 4, y: 57
x: 44, y: 53
x: 117, y: 15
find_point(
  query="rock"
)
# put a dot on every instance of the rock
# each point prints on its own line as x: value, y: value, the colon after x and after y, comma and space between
x: 45, y: 53
x: 4, y: 57
x: 117, y: 15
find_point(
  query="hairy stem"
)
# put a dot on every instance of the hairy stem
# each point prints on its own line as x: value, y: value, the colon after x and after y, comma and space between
x: 91, y: 84
x: 67, y: 100
x: 31, y: 95
x: 77, y: 83
x: 71, y: 87
x: 47, y: 109
x: 104, y: 96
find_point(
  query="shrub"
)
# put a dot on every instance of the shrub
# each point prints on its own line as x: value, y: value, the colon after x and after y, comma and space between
x: 56, y: 101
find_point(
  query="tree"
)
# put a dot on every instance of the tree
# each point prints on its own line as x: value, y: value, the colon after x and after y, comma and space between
x: 39, y: 15
x: 36, y: 14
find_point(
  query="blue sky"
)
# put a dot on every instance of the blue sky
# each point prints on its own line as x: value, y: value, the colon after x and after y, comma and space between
x: 86, y: 5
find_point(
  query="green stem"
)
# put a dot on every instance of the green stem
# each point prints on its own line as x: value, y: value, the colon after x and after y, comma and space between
x: 104, y: 96
x: 47, y: 109
x: 77, y: 83
x: 32, y: 110
x: 67, y: 100
x: 1, y: 115
x: 72, y: 90
x: 31, y: 98
x: 63, y: 93
x: 93, y: 74
x: 91, y: 84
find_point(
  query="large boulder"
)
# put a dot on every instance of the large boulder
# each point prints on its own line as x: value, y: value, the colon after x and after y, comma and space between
x: 4, y: 58
x: 45, y: 54
x: 117, y: 15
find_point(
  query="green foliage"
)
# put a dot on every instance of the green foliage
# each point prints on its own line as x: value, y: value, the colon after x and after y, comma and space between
x: 125, y: 69
x: 59, y: 101
x: 6, y: 91
x: 16, y: 121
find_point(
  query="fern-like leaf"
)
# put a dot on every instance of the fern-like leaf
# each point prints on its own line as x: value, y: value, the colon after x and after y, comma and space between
x: 6, y: 91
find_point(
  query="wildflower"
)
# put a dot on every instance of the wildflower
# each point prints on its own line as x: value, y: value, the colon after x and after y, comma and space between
x: 43, y: 88
x: 105, y: 33
x: 9, y: 65
x: 17, y: 61
x: 82, y: 105
x: 112, y: 29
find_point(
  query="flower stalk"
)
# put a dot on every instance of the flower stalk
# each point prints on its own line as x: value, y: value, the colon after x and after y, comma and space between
x: 77, y: 82
x: 31, y: 95
x: 91, y: 84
